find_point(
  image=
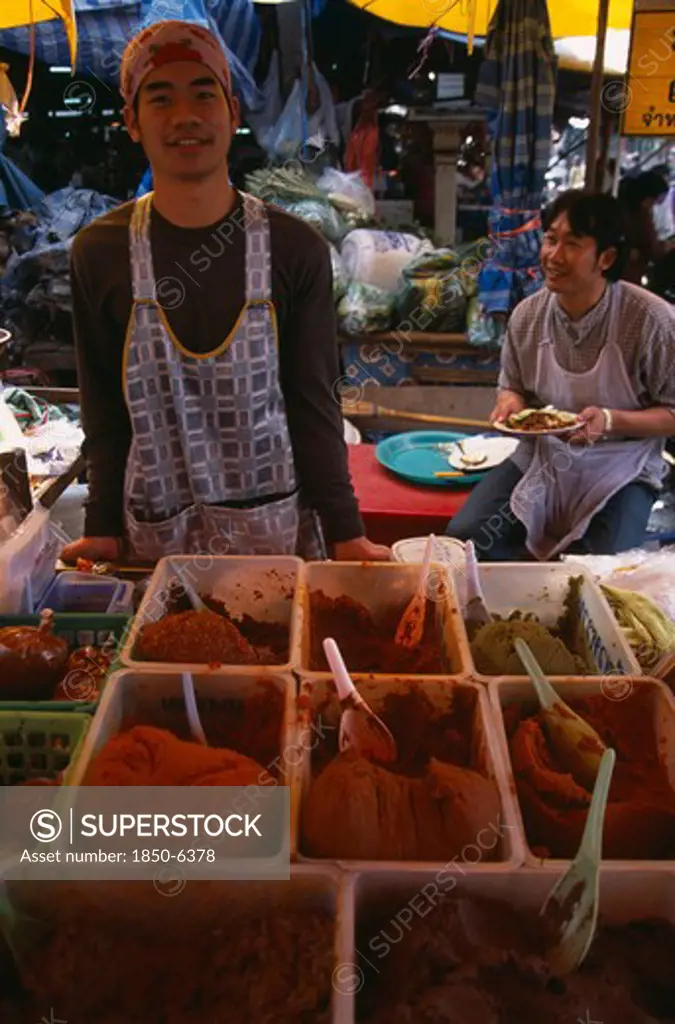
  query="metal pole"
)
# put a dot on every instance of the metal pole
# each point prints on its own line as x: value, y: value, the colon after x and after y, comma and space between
x: 596, y: 96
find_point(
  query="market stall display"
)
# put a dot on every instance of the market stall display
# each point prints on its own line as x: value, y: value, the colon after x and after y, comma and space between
x: 475, y: 796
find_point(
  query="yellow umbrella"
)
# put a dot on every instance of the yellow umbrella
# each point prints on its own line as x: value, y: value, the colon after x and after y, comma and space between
x: 15, y: 13
x: 472, y: 17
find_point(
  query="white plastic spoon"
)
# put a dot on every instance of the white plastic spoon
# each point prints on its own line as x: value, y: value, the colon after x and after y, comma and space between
x: 476, y: 609
x: 410, y: 631
x: 572, y: 905
x: 577, y: 742
x: 195, y: 600
x: 196, y: 727
x: 360, y: 728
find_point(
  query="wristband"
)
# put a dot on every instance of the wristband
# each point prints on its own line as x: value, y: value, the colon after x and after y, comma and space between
x: 609, y: 421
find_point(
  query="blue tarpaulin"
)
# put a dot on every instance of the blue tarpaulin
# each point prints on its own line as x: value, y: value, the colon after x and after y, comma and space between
x: 106, y: 26
x: 17, y: 191
x: 517, y: 87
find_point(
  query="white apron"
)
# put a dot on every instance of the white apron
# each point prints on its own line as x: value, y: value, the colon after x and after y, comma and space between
x: 210, y: 468
x: 566, y: 485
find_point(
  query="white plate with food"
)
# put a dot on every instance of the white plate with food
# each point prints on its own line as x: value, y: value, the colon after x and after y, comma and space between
x: 475, y: 454
x: 547, y: 422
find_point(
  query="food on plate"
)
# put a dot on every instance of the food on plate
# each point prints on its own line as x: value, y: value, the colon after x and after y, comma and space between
x: 648, y: 629
x: 640, y: 817
x: 146, y: 756
x: 203, y: 637
x: 429, y: 805
x: 473, y: 461
x: 494, y: 652
x: 366, y: 645
x: 32, y: 660
x: 533, y: 420
x: 257, y: 957
x: 473, y: 960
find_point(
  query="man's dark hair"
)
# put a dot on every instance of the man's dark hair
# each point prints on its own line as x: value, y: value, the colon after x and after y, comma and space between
x: 593, y: 215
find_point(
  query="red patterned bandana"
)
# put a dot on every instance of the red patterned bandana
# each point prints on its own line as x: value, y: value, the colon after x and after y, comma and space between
x: 167, y: 42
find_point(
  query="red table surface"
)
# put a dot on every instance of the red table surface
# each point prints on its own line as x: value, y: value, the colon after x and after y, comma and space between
x: 393, y: 509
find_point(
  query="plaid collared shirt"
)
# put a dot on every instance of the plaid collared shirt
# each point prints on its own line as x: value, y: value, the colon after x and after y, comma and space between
x: 646, y: 340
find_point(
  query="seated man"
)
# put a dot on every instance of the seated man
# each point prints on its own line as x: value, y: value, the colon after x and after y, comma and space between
x: 594, y: 345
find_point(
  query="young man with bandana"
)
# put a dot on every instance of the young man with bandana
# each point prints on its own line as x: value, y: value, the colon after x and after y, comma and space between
x: 204, y: 326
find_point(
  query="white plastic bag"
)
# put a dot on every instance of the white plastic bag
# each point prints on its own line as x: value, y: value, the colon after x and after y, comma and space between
x: 651, y: 573
x: 351, y: 187
x: 27, y: 562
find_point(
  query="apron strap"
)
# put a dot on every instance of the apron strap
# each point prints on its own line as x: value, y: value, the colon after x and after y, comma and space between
x: 140, y: 251
x: 258, y: 251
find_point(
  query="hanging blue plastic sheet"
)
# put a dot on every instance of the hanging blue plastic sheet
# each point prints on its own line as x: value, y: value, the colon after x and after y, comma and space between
x: 106, y: 26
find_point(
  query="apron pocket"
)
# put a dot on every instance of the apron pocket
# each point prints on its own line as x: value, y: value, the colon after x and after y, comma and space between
x: 270, y: 529
x: 179, y: 535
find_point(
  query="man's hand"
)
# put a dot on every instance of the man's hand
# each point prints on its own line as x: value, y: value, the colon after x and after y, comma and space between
x: 594, y: 426
x: 361, y: 550
x: 508, y: 403
x: 93, y: 549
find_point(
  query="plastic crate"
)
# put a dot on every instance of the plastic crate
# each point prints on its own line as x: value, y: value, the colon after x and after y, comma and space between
x: 76, y: 593
x: 35, y: 744
x: 78, y: 631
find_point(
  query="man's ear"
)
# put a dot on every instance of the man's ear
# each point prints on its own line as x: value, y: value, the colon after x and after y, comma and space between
x: 235, y: 113
x: 131, y: 121
x: 607, y: 259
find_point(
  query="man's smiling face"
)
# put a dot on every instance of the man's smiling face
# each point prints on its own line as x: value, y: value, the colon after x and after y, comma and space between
x: 571, y: 262
x: 184, y: 121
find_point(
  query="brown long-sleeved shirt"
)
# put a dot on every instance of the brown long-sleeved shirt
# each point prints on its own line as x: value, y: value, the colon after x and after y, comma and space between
x: 205, y: 269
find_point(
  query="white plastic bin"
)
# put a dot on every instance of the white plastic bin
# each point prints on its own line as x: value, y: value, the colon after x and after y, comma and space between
x: 222, y: 906
x: 396, y: 904
x: 157, y: 699
x: 383, y: 588
x: 318, y: 721
x: 266, y: 588
x: 542, y: 589
x: 503, y: 693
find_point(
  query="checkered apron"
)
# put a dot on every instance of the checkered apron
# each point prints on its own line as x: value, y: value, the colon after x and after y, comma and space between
x: 210, y: 467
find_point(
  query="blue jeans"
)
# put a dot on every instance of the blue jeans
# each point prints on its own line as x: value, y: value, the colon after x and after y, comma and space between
x: 499, y: 536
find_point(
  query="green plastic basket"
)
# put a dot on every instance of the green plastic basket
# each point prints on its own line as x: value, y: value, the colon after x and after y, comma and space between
x: 79, y: 631
x: 36, y: 744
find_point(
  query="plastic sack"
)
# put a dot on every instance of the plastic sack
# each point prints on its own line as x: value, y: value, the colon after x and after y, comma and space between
x: 348, y: 191
x: 286, y: 138
x: 339, y: 280
x: 433, y: 292
x: 322, y: 216
x: 651, y: 573
x: 27, y: 561
x: 365, y: 309
x: 485, y: 329
x: 378, y: 258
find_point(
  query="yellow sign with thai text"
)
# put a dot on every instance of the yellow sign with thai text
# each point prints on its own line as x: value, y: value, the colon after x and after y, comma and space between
x: 650, y: 92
